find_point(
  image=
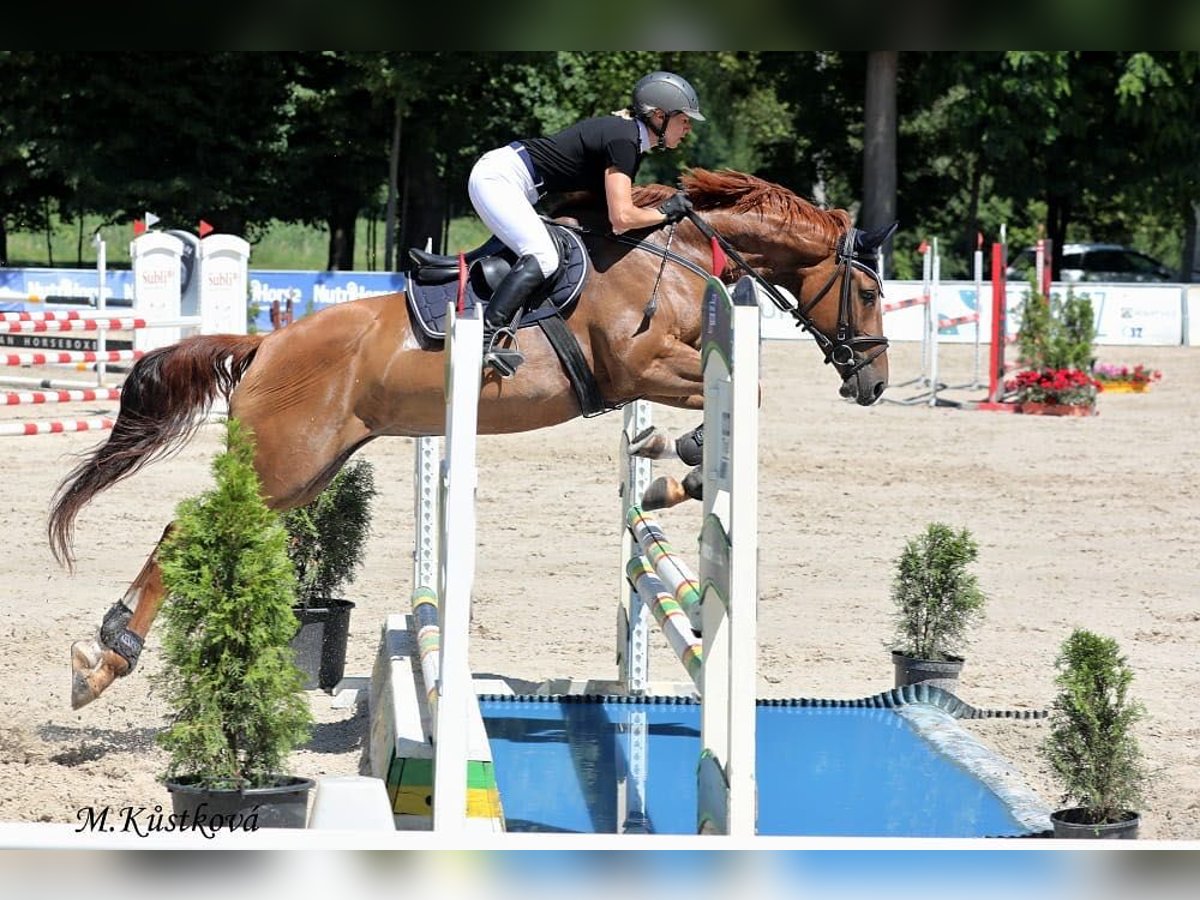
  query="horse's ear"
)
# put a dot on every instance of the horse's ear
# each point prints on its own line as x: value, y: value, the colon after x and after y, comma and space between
x: 866, y: 241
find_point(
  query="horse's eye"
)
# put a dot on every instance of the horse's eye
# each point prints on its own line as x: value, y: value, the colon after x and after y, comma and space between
x: 868, y: 297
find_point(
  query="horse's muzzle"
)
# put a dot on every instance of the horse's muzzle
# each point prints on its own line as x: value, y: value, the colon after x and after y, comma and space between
x: 862, y: 388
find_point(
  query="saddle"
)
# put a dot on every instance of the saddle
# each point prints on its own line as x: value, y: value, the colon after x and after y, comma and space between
x: 433, y: 281
x: 433, y: 284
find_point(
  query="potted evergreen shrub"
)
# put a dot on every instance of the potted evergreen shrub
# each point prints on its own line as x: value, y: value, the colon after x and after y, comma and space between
x: 326, y: 543
x: 1056, y: 346
x: 1091, y: 746
x: 229, y: 677
x: 936, y: 601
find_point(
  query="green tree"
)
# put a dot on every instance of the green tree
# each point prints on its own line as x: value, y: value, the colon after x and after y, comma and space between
x: 936, y: 599
x: 229, y: 676
x: 1091, y: 745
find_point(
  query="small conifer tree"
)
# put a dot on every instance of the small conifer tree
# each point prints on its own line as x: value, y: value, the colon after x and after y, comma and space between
x: 1091, y: 746
x: 229, y: 677
x: 327, y: 538
x: 936, y: 598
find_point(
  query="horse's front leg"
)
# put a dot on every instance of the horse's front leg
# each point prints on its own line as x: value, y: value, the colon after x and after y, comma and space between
x: 113, y: 652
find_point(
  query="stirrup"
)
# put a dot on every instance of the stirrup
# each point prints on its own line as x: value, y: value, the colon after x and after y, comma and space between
x: 504, y: 360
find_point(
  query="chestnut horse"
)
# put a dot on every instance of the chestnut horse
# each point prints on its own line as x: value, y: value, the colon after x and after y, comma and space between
x: 314, y: 392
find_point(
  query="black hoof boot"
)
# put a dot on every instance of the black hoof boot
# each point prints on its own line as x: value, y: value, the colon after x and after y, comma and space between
x: 690, y: 447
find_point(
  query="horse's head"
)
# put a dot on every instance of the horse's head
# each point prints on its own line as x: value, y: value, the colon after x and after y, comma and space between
x: 819, y: 257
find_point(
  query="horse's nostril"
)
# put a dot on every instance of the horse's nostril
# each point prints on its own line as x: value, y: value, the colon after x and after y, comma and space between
x: 877, y: 392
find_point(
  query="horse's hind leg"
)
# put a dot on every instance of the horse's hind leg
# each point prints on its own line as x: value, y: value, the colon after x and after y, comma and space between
x: 113, y: 652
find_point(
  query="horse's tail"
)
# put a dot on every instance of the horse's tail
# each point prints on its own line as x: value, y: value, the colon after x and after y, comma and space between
x: 162, y: 400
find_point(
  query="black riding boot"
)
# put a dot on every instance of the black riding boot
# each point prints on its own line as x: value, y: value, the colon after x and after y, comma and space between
x: 518, y: 285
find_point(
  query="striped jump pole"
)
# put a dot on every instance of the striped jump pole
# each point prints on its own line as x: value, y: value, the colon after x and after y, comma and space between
x: 57, y: 326
x: 17, y: 429
x: 58, y: 315
x: 670, y: 615
x: 86, y: 395
x: 429, y: 640
x: 666, y: 562
x: 64, y: 357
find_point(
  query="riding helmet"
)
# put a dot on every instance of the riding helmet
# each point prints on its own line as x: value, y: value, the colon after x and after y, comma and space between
x: 666, y: 91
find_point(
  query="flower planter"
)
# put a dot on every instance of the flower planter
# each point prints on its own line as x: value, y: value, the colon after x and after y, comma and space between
x: 940, y: 673
x: 321, y: 641
x: 1056, y: 409
x: 283, y: 804
x: 1125, y: 387
x: 1072, y: 823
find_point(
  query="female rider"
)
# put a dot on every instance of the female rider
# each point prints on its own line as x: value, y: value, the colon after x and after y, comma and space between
x: 601, y: 155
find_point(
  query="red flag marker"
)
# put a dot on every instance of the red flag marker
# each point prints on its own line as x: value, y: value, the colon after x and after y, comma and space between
x: 924, y: 247
x: 139, y: 227
x: 205, y: 228
x: 718, y: 258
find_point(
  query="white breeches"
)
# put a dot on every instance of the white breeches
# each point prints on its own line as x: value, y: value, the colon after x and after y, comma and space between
x: 502, y: 192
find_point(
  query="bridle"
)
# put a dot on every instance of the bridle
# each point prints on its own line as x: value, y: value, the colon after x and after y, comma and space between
x: 841, y: 348
x: 838, y: 350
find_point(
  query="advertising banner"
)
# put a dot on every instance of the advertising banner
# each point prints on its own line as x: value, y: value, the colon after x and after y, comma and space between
x: 311, y: 291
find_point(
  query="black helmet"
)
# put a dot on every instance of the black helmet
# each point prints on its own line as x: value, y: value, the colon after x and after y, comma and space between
x: 668, y: 92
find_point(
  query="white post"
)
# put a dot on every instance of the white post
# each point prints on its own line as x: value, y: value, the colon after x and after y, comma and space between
x: 729, y: 560
x: 457, y: 572
x: 425, y: 506
x: 926, y: 292
x: 934, y: 331
x: 101, y: 303
x: 978, y: 308
x: 633, y: 656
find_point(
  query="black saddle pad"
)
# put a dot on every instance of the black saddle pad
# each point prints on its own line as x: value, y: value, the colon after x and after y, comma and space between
x: 431, y: 288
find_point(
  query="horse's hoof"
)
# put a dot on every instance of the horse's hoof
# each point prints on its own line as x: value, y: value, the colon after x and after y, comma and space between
x: 82, y: 692
x: 663, y: 493
x: 652, y: 444
x: 93, y: 669
x: 86, y: 655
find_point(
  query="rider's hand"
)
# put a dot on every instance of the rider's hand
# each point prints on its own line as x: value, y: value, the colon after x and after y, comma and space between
x: 676, y: 207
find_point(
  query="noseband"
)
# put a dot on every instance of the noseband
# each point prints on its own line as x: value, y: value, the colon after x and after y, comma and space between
x: 839, y: 350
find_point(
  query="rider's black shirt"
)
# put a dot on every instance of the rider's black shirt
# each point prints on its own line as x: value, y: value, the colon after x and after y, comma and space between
x: 577, y: 157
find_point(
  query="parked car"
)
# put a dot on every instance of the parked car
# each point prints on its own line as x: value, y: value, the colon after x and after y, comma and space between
x: 1095, y: 262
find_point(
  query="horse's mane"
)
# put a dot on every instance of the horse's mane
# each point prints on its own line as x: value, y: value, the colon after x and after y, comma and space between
x: 739, y: 192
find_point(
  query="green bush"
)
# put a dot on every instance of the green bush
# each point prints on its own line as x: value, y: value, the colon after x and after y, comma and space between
x: 1059, y: 334
x: 936, y: 598
x: 327, y: 538
x: 1091, y: 746
x: 230, y: 679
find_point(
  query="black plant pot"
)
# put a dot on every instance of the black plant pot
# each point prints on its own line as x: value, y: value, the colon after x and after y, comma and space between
x: 320, y: 644
x: 283, y: 804
x: 941, y: 673
x: 1072, y: 823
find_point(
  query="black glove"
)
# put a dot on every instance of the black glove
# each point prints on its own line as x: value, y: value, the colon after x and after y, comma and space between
x: 676, y: 207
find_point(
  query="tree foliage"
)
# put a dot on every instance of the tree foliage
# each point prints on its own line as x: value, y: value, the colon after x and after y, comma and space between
x: 1080, y: 145
x: 327, y: 538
